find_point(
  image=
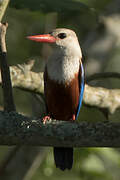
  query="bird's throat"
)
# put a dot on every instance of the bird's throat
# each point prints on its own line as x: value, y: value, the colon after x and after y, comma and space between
x: 63, y: 69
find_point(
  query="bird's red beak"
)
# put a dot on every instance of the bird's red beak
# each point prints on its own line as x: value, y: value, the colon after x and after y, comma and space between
x: 43, y: 38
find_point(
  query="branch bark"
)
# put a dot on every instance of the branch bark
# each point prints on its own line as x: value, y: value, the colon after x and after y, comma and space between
x: 30, y: 131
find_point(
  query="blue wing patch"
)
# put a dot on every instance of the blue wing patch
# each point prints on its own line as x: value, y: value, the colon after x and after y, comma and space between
x: 82, y: 90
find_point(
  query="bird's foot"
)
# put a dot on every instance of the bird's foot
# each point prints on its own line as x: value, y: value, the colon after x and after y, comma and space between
x: 45, y: 119
x: 73, y: 118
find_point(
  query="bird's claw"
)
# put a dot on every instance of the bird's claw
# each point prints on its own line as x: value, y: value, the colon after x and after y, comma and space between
x: 73, y: 118
x: 45, y: 119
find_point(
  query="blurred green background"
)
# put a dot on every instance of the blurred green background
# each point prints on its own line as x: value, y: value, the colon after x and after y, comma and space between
x: 97, y: 24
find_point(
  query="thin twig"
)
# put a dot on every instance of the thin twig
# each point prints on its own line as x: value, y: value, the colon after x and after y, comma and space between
x: 5, y: 73
x: 3, y: 6
x: 103, y: 75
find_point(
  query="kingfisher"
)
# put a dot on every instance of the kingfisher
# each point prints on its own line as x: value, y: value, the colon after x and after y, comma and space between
x: 63, y: 83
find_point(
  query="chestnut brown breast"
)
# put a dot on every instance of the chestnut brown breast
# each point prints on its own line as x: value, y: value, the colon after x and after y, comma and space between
x: 61, y: 99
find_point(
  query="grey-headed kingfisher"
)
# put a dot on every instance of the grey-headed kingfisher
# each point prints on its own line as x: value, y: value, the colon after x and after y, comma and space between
x: 63, y: 83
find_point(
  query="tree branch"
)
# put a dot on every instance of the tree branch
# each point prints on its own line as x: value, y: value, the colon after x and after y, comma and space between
x: 23, y: 78
x: 5, y: 72
x: 103, y: 75
x: 29, y: 131
x: 102, y: 98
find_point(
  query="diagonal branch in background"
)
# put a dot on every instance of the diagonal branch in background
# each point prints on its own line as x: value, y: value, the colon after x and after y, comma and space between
x: 93, y: 96
x: 30, y: 131
x: 3, y: 6
x: 103, y: 75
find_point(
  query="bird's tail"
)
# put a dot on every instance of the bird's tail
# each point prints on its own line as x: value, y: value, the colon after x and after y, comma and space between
x: 63, y: 157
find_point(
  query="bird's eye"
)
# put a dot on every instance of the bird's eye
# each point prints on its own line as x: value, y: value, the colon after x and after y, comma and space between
x: 62, y: 35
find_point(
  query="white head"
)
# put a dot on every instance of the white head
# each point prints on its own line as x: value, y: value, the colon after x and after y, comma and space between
x: 67, y: 41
